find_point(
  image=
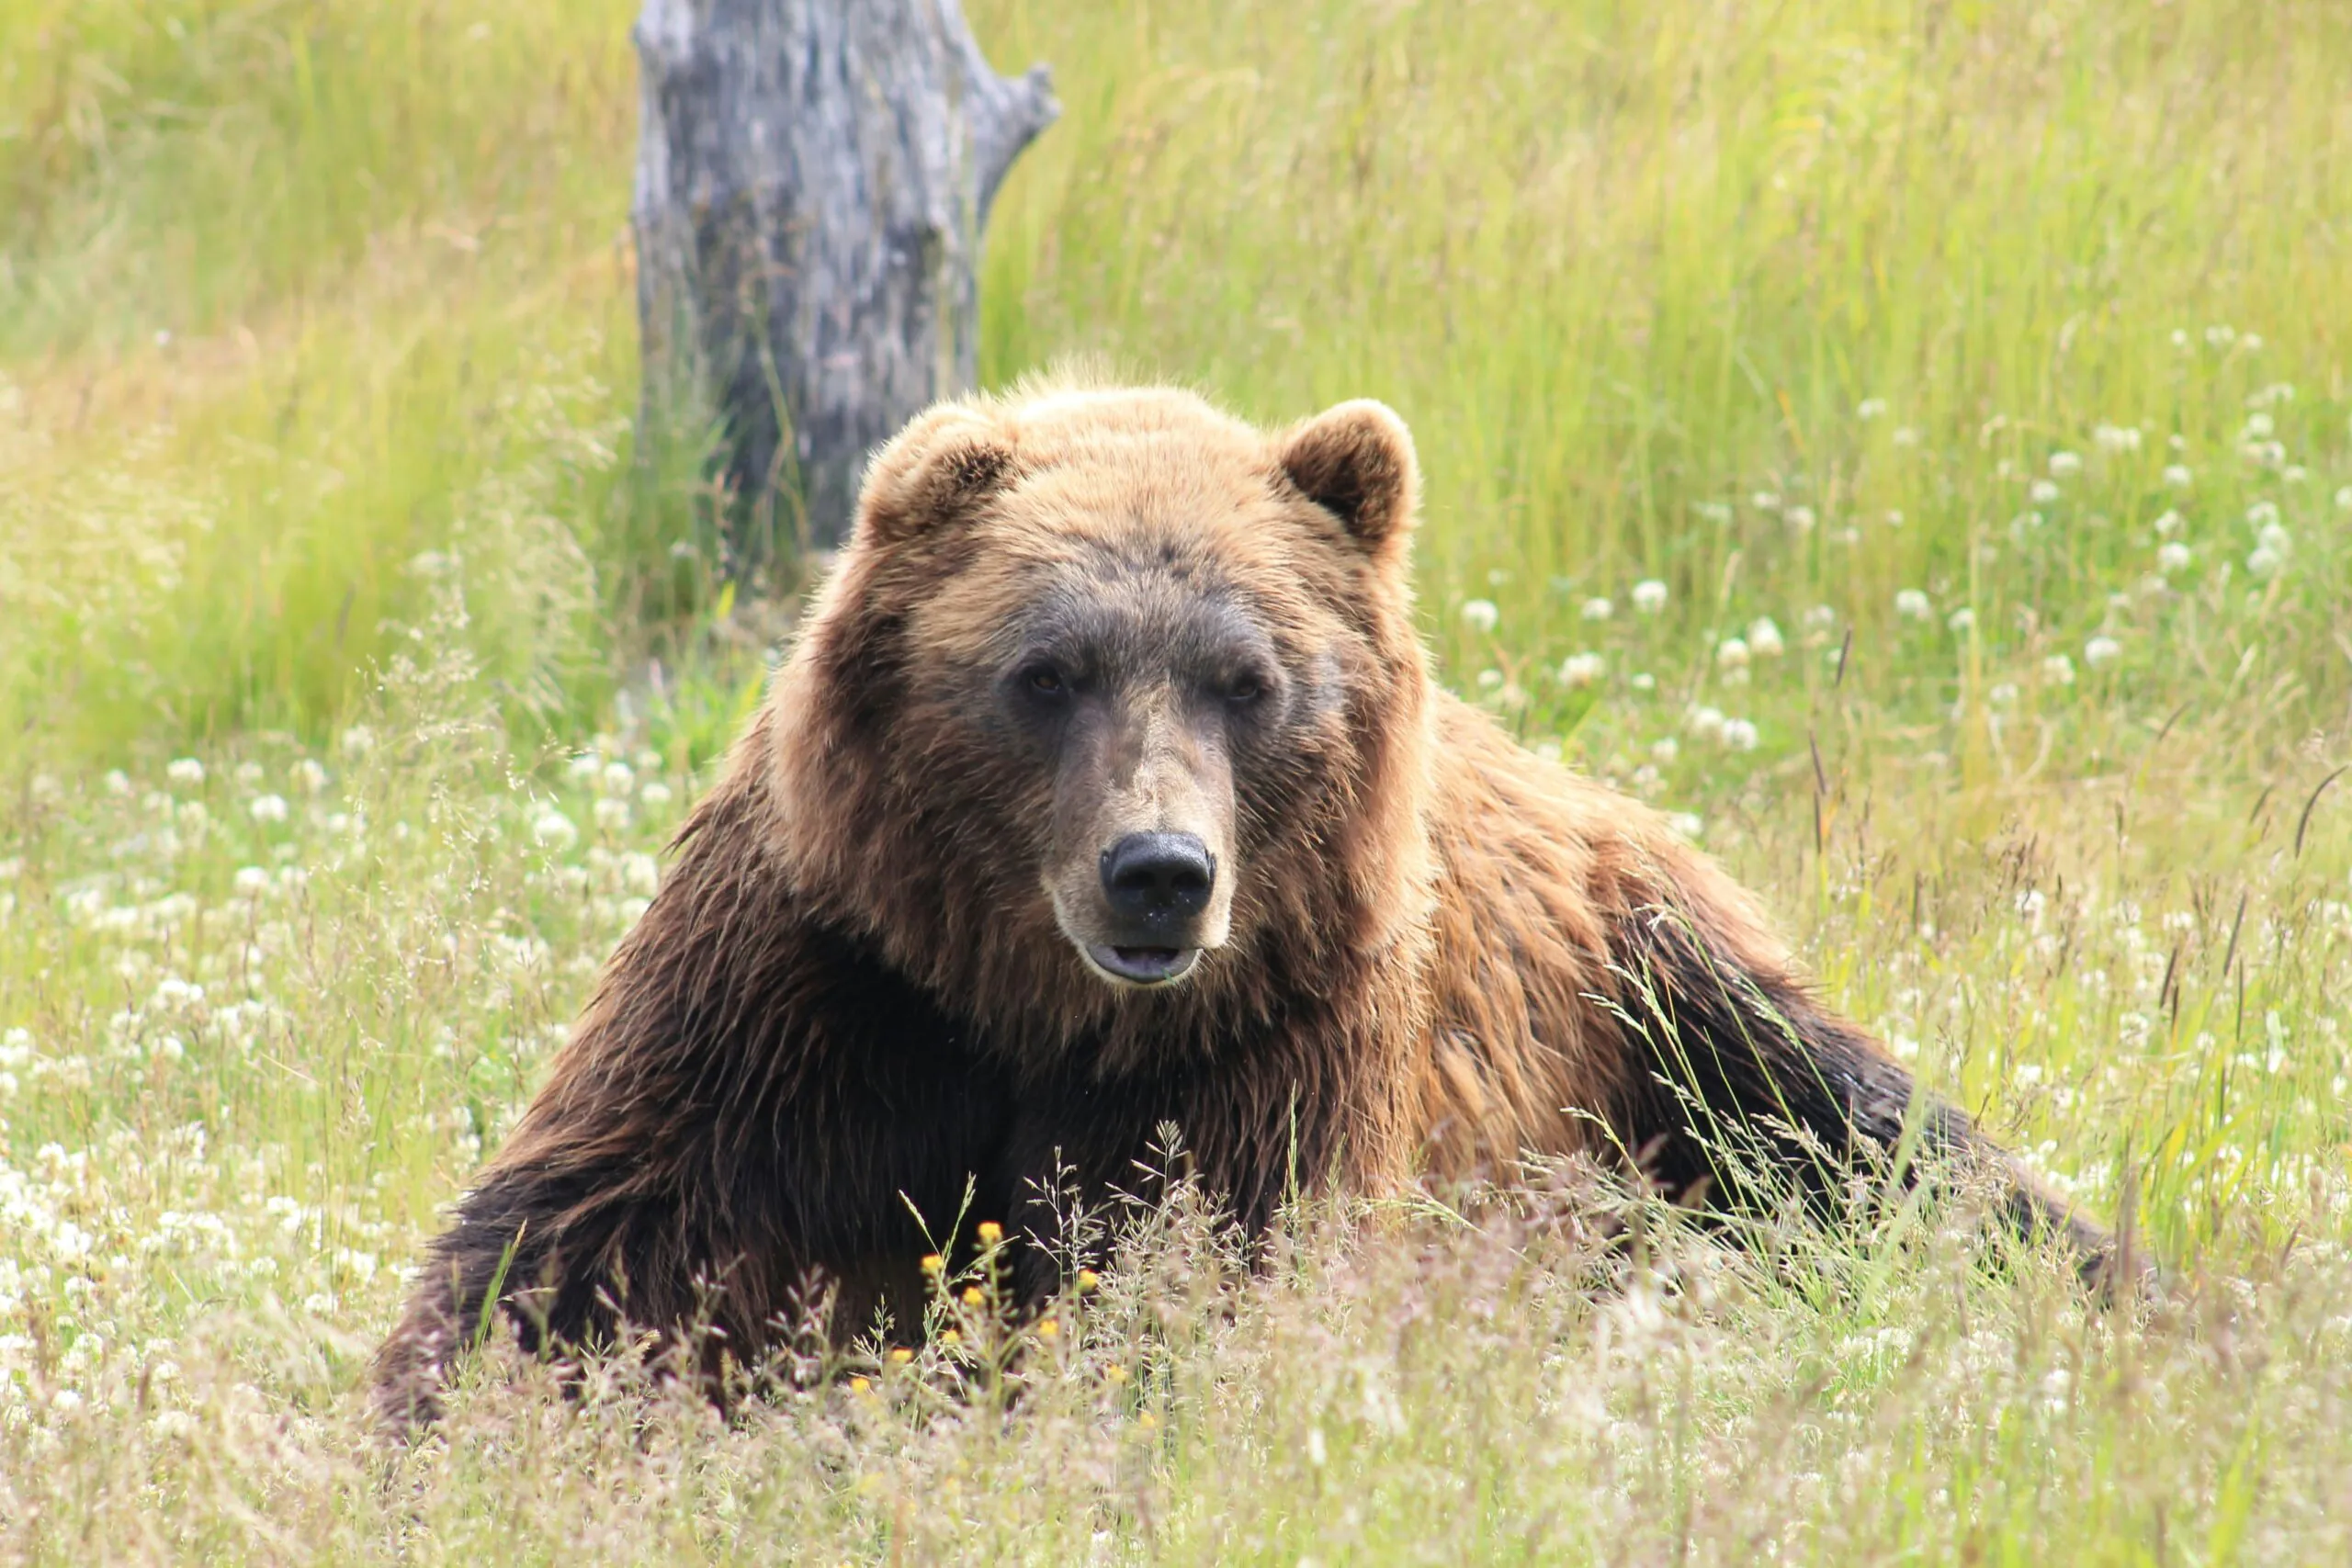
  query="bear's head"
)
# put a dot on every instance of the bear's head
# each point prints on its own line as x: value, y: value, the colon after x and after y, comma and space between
x: 1110, y: 718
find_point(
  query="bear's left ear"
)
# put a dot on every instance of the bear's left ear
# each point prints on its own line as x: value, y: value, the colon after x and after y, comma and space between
x: 1356, y: 462
x: 946, y: 461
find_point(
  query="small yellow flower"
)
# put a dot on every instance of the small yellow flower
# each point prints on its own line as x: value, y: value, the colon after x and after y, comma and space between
x: 1087, y: 1280
x: 990, y: 1232
x: 1116, y: 1372
x: 933, y: 1263
x: 902, y: 1355
x: 950, y: 1336
x: 1049, y: 1329
x: 972, y: 1296
x: 859, y: 1385
x: 1146, y: 1420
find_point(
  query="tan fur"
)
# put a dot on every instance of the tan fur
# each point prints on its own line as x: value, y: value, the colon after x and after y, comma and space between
x: 1435, y: 950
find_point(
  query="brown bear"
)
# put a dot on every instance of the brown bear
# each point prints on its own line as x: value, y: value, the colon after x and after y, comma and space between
x: 1107, y: 787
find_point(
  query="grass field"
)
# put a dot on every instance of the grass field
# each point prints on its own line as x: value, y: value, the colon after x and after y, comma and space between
x: 1910, y: 438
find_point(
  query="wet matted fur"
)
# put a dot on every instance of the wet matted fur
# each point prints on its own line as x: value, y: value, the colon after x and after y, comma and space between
x: 866, y: 984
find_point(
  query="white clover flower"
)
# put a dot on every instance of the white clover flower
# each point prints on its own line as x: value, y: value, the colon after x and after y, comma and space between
x: 1963, y: 620
x: 1649, y: 596
x: 2041, y: 493
x: 1912, y: 605
x: 2168, y: 523
x: 2263, y: 564
x: 249, y: 773
x: 584, y: 767
x: 2173, y: 557
x: 2344, y: 499
x: 1582, y: 669
x: 1765, y: 500
x: 1871, y: 408
x: 1665, y: 748
x: 2101, y: 651
x: 310, y: 776
x: 1732, y: 653
x: 118, y: 782
x: 1480, y: 616
x: 612, y: 814
x: 252, y: 881
x: 2259, y: 426
x: 1706, y: 723
x: 619, y: 778
x: 187, y: 772
x: 1739, y: 735
x: 2180, y: 337
x: 2293, y: 474
x: 1764, y: 638
x: 2274, y: 539
x: 1801, y: 518
x: 2065, y: 465
x: 1820, y: 618
x: 2003, y: 695
x: 2219, y: 335
x: 2177, y: 476
x: 2261, y: 512
x: 2058, y: 669
x: 267, y: 807
x: 2116, y: 438
x: 655, y: 793
x: 1598, y: 609
x: 1894, y: 518
x: 1489, y: 678
x: 554, y: 830
x: 358, y: 740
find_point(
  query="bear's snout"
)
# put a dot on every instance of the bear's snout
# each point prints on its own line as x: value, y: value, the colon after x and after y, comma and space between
x: 1154, y: 882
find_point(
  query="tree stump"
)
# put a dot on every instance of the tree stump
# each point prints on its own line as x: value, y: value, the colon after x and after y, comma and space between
x: 812, y: 180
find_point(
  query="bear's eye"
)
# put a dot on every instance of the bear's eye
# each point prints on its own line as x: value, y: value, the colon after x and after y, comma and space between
x: 1046, y: 681
x: 1244, y: 689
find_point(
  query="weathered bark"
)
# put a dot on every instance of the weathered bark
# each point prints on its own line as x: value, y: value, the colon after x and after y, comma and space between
x: 812, y: 180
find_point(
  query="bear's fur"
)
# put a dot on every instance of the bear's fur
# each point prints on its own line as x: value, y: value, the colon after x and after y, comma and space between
x: 877, y: 970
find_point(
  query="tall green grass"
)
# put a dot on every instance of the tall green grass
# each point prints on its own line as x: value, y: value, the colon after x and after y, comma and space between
x: 1964, y: 382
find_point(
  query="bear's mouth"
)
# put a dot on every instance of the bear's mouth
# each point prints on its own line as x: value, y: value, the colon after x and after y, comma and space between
x: 1143, y: 965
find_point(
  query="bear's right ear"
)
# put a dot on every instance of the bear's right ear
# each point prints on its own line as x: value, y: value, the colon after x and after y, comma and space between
x: 1356, y: 462
x: 944, y: 463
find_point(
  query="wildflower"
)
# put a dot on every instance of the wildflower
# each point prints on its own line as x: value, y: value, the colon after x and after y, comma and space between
x: 2263, y: 563
x: 1912, y: 604
x: 1087, y: 1280
x: 1598, y: 609
x: 1800, y: 518
x: 2101, y: 651
x: 2064, y: 465
x: 2172, y: 557
x: 1048, y: 1329
x: 2177, y: 476
x: 2293, y: 474
x: 554, y: 830
x: 2004, y: 695
x: 951, y: 1337
x: 1686, y: 824
x: 2259, y: 426
x: 2116, y: 438
x: 620, y: 778
x: 1894, y: 518
x: 1649, y: 596
x: 2344, y: 499
x: 2168, y: 523
x: 973, y: 1296
x: 933, y: 1263
x: 1905, y: 437
x: 1764, y: 638
x: 656, y: 794
x: 118, y: 782
x: 2275, y: 539
x: 1706, y: 723
x: 251, y: 882
x: 1114, y: 1372
x: 1732, y: 653
x: 1765, y: 500
x: 358, y: 740
x: 1963, y: 620
x: 900, y: 1355
x: 2219, y: 336
x: 859, y: 1385
x: 610, y: 815
x: 1871, y: 408
x: 1489, y: 678
x: 1820, y: 618
x: 990, y: 1232
x: 312, y: 777
x: 1582, y: 669
x: 1480, y: 616
x: 2058, y: 669
x: 2180, y: 337
x: 2041, y: 493
x: 1711, y: 511
x: 267, y: 807
x: 584, y: 767
x: 187, y: 772
x: 1739, y: 735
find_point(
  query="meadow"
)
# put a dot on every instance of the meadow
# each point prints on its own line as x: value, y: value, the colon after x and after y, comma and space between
x: 1911, y: 440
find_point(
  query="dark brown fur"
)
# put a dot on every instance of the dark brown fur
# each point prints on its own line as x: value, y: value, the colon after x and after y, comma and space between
x: 851, y: 994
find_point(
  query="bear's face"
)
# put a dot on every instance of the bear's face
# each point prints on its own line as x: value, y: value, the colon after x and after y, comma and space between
x: 1116, y: 675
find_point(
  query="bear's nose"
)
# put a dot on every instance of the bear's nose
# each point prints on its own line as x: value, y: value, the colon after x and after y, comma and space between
x: 1157, y: 877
